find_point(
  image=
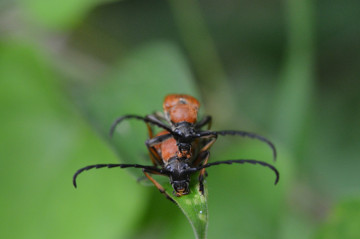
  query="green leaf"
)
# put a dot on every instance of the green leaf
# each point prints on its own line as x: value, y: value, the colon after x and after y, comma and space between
x: 138, y: 85
x: 194, y: 206
x: 343, y: 221
x: 59, y: 14
x: 45, y: 142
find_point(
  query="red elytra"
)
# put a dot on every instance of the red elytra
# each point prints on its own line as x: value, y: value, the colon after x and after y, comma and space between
x: 167, y: 149
x: 179, y: 108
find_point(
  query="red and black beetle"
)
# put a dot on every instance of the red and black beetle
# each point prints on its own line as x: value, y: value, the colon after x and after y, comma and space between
x: 182, y: 149
x: 179, y: 169
x: 180, y: 114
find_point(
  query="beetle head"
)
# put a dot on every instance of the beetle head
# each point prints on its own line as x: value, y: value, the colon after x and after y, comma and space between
x: 179, y: 174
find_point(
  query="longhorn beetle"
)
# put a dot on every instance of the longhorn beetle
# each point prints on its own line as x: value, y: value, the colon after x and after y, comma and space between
x: 180, y: 114
x: 179, y: 169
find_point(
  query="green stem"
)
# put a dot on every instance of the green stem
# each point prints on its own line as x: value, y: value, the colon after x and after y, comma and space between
x: 296, y: 86
x: 205, y: 59
x: 197, y: 39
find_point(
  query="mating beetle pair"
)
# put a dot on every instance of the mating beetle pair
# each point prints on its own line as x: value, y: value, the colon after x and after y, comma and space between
x: 182, y: 149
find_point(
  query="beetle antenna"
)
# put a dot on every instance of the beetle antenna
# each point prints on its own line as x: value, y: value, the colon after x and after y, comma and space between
x: 145, y: 119
x: 157, y: 140
x: 242, y: 134
x: 242, y: 161
x: 96, y: 166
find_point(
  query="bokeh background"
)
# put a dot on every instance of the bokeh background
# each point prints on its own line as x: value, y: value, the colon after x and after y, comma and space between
x: 288, y: 70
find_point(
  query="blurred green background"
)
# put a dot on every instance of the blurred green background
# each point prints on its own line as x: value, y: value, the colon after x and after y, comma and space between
x: 288, y: 70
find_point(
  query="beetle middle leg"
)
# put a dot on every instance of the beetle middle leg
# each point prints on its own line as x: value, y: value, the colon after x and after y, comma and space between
x: 208, y: 145
x: 202, y: 158
x: 204, y: 148
x: 207, y: 120
x: 154, y: 156
x: 157, y: 185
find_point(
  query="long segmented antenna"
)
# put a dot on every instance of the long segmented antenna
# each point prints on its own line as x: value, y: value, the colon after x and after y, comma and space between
x: 241, y: 161
x: 240, y: 133
x: 157, y: 140
x: 96, y: 166
x: 145, y: 119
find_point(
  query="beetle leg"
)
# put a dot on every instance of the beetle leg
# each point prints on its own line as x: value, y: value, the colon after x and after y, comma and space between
x: 154, y: 156
x: 208, y: 145
x: 204, y: 158
x: 151, y: 134
x: 150, y: 143
x: 205, y: 148
x: 158, y: 185
x: 207, y: 120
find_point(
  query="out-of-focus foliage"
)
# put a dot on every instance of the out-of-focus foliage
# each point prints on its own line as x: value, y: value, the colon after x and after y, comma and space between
x: 43, y: 141
x: 286, y: 70
x: 343, y: 221
x: 58, y: 14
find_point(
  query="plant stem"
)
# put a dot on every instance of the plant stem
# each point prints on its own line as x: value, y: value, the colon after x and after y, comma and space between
x: 296, y: 86
x: 205, y: 59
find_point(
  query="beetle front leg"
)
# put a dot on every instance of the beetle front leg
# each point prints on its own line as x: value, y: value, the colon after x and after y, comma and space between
x: 157, y: 185
x: 204, y: 158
